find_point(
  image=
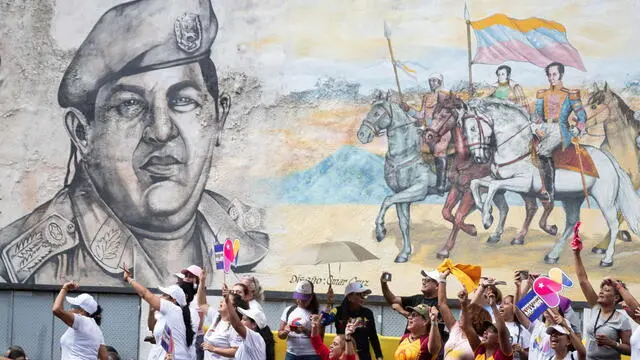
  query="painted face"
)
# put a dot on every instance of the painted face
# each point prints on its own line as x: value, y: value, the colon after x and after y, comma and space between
x: 554, y: 76
x: 434, y: 84
x: 150, y: 146
x: 336, y: 348
x: 502, y: 76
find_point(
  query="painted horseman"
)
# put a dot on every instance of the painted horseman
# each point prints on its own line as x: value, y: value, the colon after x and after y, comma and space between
x: 507, y: 89
x: 553, y: 107
x: 425, y: 115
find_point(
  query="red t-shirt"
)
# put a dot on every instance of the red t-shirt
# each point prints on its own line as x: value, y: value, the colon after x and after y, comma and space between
x: 323, y: 351
x: 480, y: 354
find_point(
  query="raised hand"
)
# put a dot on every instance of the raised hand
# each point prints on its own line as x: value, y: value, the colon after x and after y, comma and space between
x: 433, y: 313
x: 463, y: 297
x: 71, y: 285
x: 225, y: 291
x: 203, y: 275
x: 491, y: 297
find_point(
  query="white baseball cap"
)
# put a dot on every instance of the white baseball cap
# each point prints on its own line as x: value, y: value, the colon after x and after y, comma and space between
x: 434, y: 275
x: 356, y: 287
x: 176, y: 293
x: 85, y: 301
x: 303, y: 291
x: 557, y: 328
x: 255, y: 315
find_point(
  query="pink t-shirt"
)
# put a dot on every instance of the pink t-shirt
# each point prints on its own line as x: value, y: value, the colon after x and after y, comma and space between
x: 457, y: 347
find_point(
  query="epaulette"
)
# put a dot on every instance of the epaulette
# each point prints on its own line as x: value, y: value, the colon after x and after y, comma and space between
x: 540, y: 93
x: 50, y: 236
x: 574, y: 94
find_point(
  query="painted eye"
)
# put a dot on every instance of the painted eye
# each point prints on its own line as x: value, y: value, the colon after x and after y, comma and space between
x: 473, y: 128
x: 593, y: 107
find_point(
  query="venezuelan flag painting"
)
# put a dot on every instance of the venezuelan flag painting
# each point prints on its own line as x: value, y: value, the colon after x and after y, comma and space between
x: 534, y: 40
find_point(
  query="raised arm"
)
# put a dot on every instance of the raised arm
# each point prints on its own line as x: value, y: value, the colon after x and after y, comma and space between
x: 350, y: 349
x: 386, y: 292
x: 629, y: 299
x: 447, y: 315
x: 201, y: 294
x: 465, y: 321
x: 143, y: 292
x: 503, y: 332
x: 435, y: 341
x: 590, y: 295
x: 234, y: 319
x: 58, y: 305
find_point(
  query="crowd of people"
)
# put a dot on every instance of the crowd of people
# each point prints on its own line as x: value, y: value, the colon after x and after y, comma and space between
x: 490, y: 325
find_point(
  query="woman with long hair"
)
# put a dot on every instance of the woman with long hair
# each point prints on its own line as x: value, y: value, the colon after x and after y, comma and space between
x: 257, y: 339
x: 174, y: 313
x: 295, y: 323
x: 457, y: 346
x: 608, y: 331
x: 221, y: 341
x: 495, y: 337
x: 352, y: 308
x: 632, y: 307
x: 83, y: 339
x: 342, y: 347
x: 423, y: 341
x: 255, y: 293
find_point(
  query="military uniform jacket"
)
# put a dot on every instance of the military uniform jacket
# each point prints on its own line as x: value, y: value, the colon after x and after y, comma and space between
x: 555, y: 105
x: 75, y: 236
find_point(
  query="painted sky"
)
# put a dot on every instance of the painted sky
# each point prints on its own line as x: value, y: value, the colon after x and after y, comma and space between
x: 289, y: 45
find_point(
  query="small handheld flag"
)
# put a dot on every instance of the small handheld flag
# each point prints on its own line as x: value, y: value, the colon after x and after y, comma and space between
x: 167, y: 340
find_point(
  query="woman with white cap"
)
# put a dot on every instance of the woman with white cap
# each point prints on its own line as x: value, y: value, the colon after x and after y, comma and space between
x: 352, y: 309
x: 174, y: 314
x: 83, y: 339
x: 295, y: 323
x: 565, y: 343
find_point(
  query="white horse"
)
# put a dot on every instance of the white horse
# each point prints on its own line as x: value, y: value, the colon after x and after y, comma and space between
x: 502, y: 127
x: 405, y: 171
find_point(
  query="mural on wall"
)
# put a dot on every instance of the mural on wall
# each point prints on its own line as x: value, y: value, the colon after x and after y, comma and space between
x: 313, y: 128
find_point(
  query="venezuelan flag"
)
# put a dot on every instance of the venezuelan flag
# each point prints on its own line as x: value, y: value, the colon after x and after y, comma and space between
x: 534, y: 40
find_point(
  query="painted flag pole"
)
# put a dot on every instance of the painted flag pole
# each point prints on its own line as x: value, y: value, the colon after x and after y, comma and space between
x: 387, y: 34
x: 470, y: 62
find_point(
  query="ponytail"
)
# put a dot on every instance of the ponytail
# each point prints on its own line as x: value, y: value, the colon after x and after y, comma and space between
x: 269, y: 342
x: 97, y: 316
x: 186, y: 316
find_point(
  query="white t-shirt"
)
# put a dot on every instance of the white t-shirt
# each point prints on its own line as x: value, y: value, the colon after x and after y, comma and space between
x: 82, y: 340
x: 539, y: 344
x: 252, y: 348
x: 514, y: 330
x: 571, y: 355
x: 222, y: 335
x: 298, y: 344
x: 171, y: 315
x: 635, y: 344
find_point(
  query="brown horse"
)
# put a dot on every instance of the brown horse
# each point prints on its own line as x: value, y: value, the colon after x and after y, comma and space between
x: 445, y: 117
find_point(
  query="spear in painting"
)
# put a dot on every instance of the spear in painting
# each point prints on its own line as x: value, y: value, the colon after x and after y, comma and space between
x: 470, y: 62
x: 387, y: 34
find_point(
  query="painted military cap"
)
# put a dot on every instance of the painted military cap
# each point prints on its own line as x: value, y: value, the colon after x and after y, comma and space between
x: 136, y: 37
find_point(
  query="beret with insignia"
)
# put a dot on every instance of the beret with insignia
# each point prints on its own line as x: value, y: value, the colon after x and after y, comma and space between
x: 136, y: 37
